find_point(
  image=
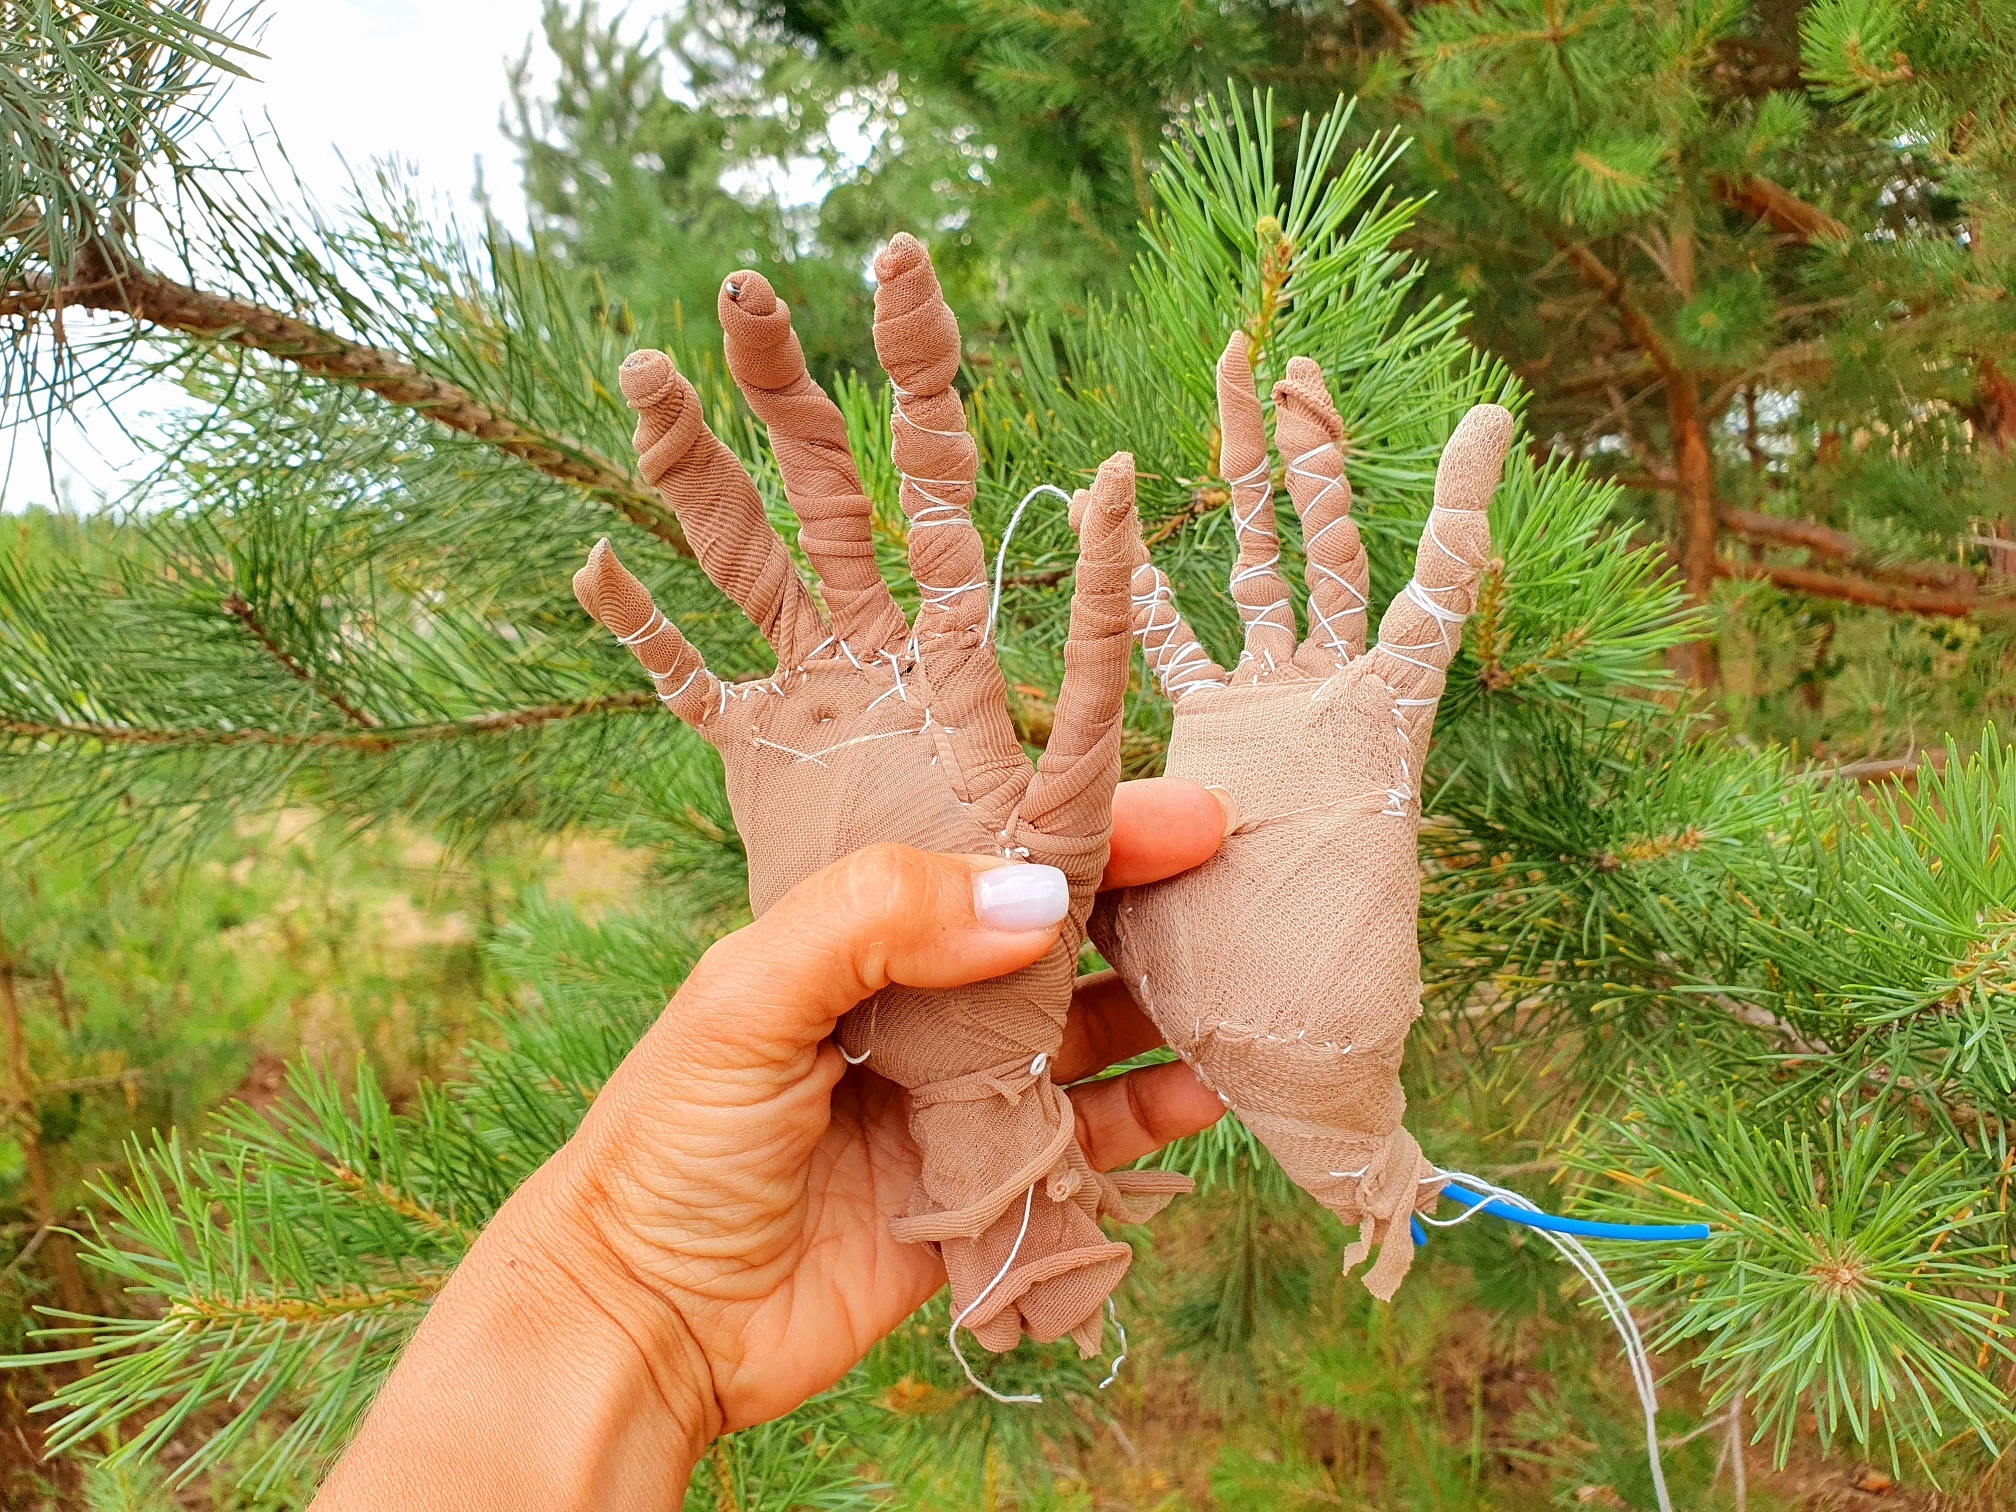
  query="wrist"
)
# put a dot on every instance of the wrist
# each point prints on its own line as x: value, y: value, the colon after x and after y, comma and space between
x: 543, y: 1376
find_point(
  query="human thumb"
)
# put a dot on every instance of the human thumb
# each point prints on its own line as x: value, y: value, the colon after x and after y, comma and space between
x: 887, y: 914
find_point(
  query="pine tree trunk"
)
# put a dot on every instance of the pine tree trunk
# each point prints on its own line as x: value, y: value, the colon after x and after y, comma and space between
x: 1993, y: 415
x: 62, y: 1258
x: 1694, y: 475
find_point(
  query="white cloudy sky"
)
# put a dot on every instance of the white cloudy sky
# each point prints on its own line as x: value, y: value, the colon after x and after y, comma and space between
x: 343, y: 80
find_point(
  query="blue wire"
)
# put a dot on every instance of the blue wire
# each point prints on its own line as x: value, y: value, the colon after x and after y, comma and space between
x: 1420, y: 1233
x: 1553, y: 1223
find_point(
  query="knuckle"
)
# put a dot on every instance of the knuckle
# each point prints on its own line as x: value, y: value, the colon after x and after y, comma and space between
x: 885, y: 873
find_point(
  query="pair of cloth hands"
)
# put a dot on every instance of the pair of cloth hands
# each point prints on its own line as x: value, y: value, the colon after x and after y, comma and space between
x: 769, y: 1183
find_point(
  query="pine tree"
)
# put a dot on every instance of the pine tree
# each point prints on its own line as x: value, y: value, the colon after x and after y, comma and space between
x: 1750, y: 258
x: 1740, y: 990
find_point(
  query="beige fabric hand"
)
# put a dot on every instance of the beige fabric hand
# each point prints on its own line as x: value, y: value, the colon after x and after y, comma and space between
x: 874, y: 730
x: 1285, y: 970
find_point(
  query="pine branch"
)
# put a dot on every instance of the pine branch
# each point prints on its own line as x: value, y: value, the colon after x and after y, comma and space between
x: 1637, y: 325
x: 1953, y: 602
x: 378, y: 739
x: 151, y: 299
x: 1780, y: 209
x: 1825, y: 541
x: 236, y: 606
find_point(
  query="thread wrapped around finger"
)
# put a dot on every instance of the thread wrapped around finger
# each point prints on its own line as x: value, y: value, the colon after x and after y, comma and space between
x: 1309, y: 434
x: 1072, y: 792
x: 717, y: 505
x: 1168, y: 644
x: 613, y: 597
x: 808, y: 435
x: 1423, y: 627
x: 917, y: 340
x: 1258, y: 587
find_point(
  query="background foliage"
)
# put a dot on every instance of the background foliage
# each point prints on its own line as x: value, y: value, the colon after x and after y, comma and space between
x: 308, y: 755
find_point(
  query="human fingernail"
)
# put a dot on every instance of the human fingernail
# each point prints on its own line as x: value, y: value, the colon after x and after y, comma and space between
x: 1021, y: 897
x: 1228, y: 803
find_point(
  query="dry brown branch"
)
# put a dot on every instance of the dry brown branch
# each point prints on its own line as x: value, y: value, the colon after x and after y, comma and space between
x: 154, y: 300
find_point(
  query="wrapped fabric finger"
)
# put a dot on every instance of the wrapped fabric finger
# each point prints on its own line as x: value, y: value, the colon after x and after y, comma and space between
x: 625, y: 608
x: 808, y: 434
x: 917, y: 340
x: 718, y: 506
x: 1309, y: 434
x: 1423, y: 627
x: 1258, y: 587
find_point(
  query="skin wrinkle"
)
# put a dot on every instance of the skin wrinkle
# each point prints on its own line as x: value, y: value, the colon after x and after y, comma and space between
x: 517, y: 1392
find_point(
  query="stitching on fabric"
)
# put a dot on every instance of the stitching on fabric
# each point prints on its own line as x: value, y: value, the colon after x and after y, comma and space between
x: 1248, y: 826
x: 1245, y: 1034
x: 817, y: 757
x: 1148, y: 1002
x: 1401, y: 794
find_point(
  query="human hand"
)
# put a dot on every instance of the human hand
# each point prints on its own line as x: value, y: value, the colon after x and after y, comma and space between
x: 1286, y: 969
x: 713, y: 1246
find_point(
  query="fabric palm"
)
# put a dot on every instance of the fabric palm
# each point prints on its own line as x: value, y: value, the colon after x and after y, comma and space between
x: 1285, y: 970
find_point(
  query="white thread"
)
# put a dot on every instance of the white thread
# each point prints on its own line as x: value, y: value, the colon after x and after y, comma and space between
x: 668, y: 699
x: 1121, y: 1358
x: 815, y: 756
x: 1399, y: 796
x: 937, y: 511
x: 1001, y: 560
x: 1332, y: 636
x: 897, y: 396
x: 1614, y: 1306
x: 1189, y: 665
x: 1243, y: 1034
x: 952, y: 1333
x: 853, y: 1060
x: 901, y: 693
x: 652, y: 627
x: 1243, y: 526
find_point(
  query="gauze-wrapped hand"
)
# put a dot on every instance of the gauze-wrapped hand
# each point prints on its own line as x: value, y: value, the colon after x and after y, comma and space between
x: 872, y: 729
x: 1285, y: 970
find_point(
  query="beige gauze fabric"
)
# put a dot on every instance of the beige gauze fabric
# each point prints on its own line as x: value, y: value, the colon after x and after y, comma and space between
x: 1285, y: 970
x: 875, y: 730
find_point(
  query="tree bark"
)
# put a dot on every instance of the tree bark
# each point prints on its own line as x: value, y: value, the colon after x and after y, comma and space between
x: 28, y: 1124
x: 1694, y: 492
x: 1958, y: 602
x: 146, y: 297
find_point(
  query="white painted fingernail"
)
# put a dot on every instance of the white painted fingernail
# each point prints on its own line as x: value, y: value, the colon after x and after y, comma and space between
x: 1021, y: 897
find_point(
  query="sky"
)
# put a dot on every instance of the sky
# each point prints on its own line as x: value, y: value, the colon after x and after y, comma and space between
x: 343, y: 81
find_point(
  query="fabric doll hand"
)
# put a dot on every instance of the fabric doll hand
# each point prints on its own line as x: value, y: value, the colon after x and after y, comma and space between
x: 875, y: 730
x: 1286, y: 970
